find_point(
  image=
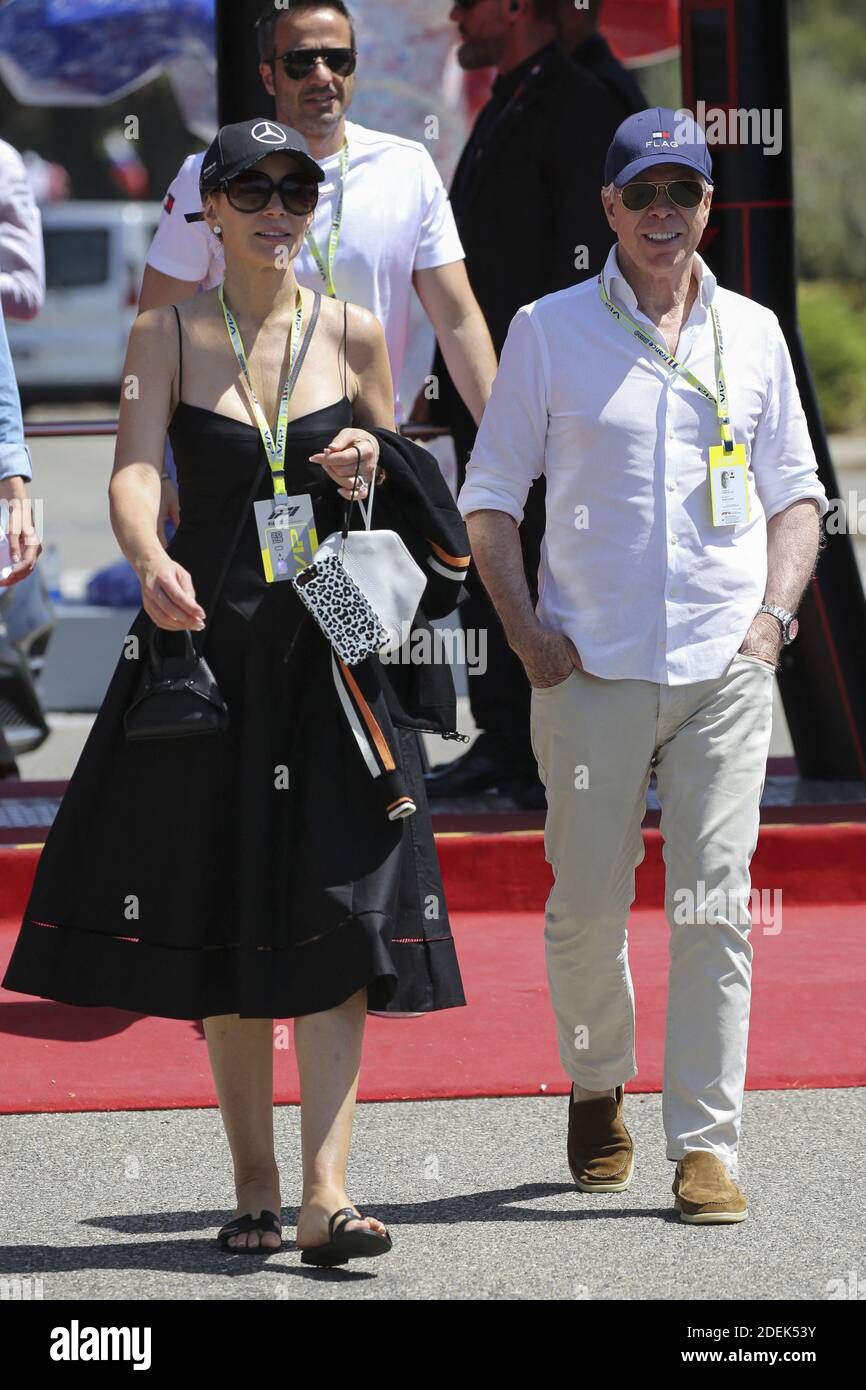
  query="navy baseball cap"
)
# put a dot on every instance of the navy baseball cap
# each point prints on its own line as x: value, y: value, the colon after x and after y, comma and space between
x: 657, y: 136
x: 237, y: 147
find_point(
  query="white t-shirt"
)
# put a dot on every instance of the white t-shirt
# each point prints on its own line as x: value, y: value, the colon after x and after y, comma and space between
x: 22, y: 256
x: 397, y: 219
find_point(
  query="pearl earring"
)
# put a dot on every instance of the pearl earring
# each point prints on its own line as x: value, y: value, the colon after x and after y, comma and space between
x: 218, y: 229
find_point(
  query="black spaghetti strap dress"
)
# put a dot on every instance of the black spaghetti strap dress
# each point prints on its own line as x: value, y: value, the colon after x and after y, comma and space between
x: 252, y: 871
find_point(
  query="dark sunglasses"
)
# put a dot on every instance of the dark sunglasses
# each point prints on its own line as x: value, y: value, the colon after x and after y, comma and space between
x: 299, y: 62
x: 253, y: 192
x: 686, y: 193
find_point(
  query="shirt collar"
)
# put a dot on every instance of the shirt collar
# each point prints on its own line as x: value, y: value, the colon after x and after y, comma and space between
x: 507, y: 83
x: 619, y: 288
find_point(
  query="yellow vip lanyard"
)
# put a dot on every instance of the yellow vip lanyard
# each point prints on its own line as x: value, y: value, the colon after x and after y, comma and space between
x: 275, y: 448
x: 720, y: 400
x: 327, y: 271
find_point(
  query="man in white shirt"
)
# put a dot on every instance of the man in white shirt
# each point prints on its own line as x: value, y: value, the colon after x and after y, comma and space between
x: 395, y: 229
x: 683, y: 508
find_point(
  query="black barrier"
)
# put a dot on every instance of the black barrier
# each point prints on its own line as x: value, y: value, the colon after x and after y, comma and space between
x: 735, y: 61
x: 240, y: 94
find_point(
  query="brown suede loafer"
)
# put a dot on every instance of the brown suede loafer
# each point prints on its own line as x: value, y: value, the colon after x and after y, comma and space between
x: 705, y: 1193
x: 600, y: 1148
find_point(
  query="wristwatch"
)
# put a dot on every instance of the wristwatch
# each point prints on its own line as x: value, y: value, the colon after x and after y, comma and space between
x: 790, y: 625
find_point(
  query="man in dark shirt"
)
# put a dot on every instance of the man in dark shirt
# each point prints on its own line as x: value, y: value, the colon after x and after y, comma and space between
x: 580, y: 39
x: 526, y: 200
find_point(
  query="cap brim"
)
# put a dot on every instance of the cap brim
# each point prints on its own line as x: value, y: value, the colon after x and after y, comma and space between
x: 306, y: 161
x: 638, y: 166
x: 240, y: 166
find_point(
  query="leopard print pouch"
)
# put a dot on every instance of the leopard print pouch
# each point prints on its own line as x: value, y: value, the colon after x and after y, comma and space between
x: 341, y: 609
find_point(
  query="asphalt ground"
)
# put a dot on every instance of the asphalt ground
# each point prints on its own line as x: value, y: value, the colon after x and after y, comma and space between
x: 477, y: 1196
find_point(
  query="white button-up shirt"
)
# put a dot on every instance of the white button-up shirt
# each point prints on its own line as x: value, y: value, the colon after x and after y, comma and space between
x: 632, y: 568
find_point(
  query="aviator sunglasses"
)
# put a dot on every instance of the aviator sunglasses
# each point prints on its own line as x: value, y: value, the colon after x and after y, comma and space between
x: 299, y: 62
x: 253, y: 192
x: 686, y: 193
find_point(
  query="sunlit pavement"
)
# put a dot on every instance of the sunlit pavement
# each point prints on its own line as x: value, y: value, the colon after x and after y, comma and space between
x: 477, y: 1196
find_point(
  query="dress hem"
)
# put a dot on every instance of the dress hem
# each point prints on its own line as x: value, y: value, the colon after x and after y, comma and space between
x: 91, y: 969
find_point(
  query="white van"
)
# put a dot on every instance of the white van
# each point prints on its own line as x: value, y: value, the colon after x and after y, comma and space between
x: 94, y: 262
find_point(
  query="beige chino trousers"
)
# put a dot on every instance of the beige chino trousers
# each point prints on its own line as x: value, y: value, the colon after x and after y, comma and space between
x: 596, y: 742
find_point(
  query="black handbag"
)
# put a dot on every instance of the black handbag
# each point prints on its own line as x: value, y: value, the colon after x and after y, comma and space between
x: 178, y: 694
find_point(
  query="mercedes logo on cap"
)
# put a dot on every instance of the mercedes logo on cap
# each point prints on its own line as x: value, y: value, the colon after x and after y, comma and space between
x: 268, y: 134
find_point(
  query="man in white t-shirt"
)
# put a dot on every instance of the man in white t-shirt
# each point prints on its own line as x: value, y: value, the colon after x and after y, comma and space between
x: 22, y: 256
x: 396, y: 230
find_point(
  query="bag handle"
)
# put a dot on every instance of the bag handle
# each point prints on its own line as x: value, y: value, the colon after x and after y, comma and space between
x: 366, y: 511
x: 191, y: 649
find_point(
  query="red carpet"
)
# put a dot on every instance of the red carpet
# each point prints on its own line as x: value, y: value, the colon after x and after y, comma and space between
x: 806, y: 1028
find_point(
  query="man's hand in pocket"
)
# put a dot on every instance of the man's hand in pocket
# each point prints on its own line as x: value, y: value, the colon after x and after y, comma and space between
x: 763, y: 639
x: 549, y: 658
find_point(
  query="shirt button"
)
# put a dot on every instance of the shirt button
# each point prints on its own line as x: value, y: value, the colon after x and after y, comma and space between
x: 672, y: 487
x: 672, y: 434
x: 673, y: 540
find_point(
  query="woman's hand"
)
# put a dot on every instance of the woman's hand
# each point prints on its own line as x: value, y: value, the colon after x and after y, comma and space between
x: 168, y: 596
x: 340, y: 461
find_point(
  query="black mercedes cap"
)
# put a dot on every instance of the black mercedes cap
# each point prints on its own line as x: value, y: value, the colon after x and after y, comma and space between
x: 237, y: 147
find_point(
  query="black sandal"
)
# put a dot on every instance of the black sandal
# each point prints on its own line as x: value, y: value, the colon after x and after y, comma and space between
x: 346, y: 1245
x: 267, y: 1221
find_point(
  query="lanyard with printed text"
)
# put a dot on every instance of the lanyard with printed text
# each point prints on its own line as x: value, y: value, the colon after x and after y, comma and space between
x: 275, y: 448
x: 720, y: 400
x: 327, y: 272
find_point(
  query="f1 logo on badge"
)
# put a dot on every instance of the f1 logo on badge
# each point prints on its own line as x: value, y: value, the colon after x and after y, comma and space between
x: 268, y: 134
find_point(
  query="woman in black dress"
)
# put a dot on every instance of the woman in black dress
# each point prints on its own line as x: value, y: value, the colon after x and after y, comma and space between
x: 276, y: 869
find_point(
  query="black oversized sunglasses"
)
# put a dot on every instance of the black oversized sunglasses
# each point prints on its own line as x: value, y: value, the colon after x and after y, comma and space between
x: 299, y: 62
x: 253, y: 192
x: 686, y: 193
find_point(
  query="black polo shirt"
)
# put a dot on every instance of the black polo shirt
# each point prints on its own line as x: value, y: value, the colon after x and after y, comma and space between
x: 595, y: 56
x: 526, y: 196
